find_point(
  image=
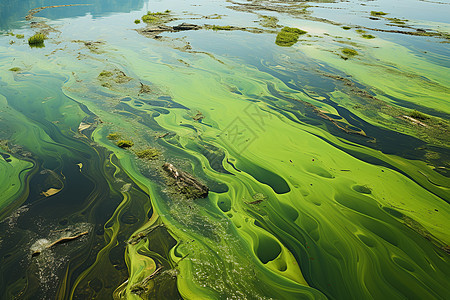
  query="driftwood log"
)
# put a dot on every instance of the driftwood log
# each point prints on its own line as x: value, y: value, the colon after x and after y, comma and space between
x: 186, y: 183
x: 60, y: 241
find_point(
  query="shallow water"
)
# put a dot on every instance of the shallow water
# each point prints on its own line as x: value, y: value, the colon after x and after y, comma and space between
x: 320, y: 183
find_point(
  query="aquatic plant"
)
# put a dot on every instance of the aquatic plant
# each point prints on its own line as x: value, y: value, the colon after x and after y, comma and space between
x: 15, y: 69
x: 288, y: 36
x: 217, y: 27
x: 418, y: 115
x: 360, y: 31
x: 155, y: 17
x: 137, y: 21
x: 397, y: 21
x: 124, y: 144
x: 349, y: 52
x: 377, y: 13
x: 113, y: 136
x: 368, y: 36
x: 37, y: 39
x: 269, y: 21
x: 148, y: 154
x: 105, y: 74
x: 20, y: 36
x: 346, y: 27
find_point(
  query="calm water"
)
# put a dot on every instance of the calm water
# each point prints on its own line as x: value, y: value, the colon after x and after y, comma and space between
x: 327, y: 172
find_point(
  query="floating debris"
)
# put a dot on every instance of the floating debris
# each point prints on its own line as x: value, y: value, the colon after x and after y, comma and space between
x: 186, y: 183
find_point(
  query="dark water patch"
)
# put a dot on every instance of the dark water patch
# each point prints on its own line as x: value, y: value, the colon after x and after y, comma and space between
x: 277, y: 183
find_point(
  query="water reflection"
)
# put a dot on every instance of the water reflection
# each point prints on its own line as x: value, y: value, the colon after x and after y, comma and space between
x: 12, y: 11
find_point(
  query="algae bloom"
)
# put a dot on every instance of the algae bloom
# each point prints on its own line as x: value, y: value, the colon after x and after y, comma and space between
x: 288, y: 36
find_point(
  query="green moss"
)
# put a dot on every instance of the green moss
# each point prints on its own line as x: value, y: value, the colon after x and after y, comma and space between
x: 418, y: 115
x: 349, y: 52
x: 377, y: 13
x: 37, y: 39
x: 124, y: 144
x: 20, y: 36
x: 288, y: 36
x: 113, y: 136
x: 15, y: 69
x: 346, y: 27
x: 137, y: 21
x: 148, y: 154
x: 368, y: 36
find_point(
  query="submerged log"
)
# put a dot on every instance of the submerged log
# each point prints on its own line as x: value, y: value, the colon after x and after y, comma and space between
x: 187, y: 184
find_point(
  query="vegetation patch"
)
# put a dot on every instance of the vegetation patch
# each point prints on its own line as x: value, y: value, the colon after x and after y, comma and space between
x: 368, y: 36
x: 269, y: 21
x: 360, y: 31
x: 20, y: 36
x: 156, y: 17
x: 15, y: 69
x: 113, y: 136
x: 288, y: 36
x: 137, y: 21
x: 377, y: 13
x: 349, y: 52
x: 124, y: 144
x: 116, y: 76
x: 397, y: 21
x: 217, y: 27
x: 37, y: 39
x: 346, y: 27
x: 418, y: 115
x: 148, y: 154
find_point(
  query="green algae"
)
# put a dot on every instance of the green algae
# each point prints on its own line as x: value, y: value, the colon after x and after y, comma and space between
x: 368, y: 36
x: 15, y: 69
x: 418, y: 115
x: 137, y: 21
x: 288, y: 36
x: 124, y: 144
x: 156, y: 17
x: 113, y: 136
x: 37, y: 40
x: 269, y: 21
x: 148, y: 154
x: 377, y: 13
x: 349, y: 52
